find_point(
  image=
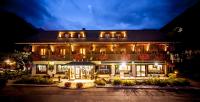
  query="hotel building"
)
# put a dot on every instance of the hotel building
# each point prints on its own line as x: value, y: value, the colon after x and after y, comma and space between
x: 84, y: 54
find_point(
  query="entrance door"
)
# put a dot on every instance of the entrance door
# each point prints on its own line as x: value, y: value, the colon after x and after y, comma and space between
x: 78, y: 72
x: 140, y: 70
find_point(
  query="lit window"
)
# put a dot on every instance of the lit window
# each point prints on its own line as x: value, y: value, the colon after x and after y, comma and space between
x: 140, y: 70
x: 155, y: 69
x: 101, y: 34
x: 41, y: 69
x: 61, y: 69
x: 62, y: 51
x: 124, y: 34
x: 43, y: 52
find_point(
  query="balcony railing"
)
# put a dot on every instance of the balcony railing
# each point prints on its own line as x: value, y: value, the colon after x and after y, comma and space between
x: 103, y: 57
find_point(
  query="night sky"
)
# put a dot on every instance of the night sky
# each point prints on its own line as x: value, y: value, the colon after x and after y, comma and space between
x: 97, y: 14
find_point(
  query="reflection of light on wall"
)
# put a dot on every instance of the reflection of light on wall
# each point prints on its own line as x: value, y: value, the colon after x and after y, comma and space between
x: 147, y: 47
x: 33, y: 48
x: 72, y: 47
x: 60, y: 34
x: 93, y: 47
x: 71, y: 34
x: 83, y: 34
x: 165, y: 49
x: 52, y: 48
x: 124, y: 34
x: 111, y: 48
x: 113, y: 34
x: 101, y: 34
x: 133, y: 47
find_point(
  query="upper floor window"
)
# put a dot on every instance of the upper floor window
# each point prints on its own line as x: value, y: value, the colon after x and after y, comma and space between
x: 63, y: 51
x: 113, y: 34
x: 42, y: 51
x: 71, y: 34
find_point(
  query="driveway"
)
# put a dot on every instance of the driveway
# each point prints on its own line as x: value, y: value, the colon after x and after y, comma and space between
x: 54, y: 94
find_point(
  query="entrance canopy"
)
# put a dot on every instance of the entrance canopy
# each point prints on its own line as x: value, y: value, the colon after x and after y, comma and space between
x: 80, y: 63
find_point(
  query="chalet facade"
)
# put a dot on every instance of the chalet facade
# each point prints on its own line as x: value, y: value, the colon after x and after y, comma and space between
x: 83, y: 54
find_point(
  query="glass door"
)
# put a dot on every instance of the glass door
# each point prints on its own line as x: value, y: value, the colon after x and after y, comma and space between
x: 140, y: 70
x: 78, y: 72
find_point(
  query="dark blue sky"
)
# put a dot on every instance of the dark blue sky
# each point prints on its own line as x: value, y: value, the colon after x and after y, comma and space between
x: 98, y: 14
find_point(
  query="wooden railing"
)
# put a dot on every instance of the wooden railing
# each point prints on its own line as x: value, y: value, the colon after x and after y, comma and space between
x: 103, y: 57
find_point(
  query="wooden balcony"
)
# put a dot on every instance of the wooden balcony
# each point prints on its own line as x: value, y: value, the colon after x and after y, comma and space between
x: 103, y: 57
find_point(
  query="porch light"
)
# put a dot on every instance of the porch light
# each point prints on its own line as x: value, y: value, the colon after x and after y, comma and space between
x: 51, y: 63
x: 122, y: 66
x: 175, y: 72
x: 7, y: 61
x: 156, y: 64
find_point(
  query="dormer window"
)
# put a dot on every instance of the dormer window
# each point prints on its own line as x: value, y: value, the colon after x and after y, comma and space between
x: 124, y: 34
x: 79, y: 35
x: 60, y: 34
x: 107, y: 35
x: 66, y: 35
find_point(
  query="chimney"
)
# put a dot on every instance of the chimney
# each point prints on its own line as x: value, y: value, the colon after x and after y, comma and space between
x: 83, y: 28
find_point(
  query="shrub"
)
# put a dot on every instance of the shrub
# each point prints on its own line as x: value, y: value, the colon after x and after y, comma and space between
x: 128, y: 82
x: 172, y: 75
x: 156, y: 81
x: 68, y: 84
x: 178, y: 82
x: 34, y: 80
x: 117, y: 82
x: 140, y: 82
x: 100, y: 82
x: 79, y: 85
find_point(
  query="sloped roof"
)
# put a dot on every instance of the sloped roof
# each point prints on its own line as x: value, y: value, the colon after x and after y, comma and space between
x: 93, y: 36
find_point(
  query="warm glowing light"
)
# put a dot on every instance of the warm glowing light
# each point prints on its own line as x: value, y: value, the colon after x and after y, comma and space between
x: 93, y: 47
x: 176, y: 72
x: 83, y: 34
x: 63, y: 51
x: 71, y: 34
x: 8, y: 61
x: 156, y: 64
x: 111, y: 48
x: 51, y: 63
x: 52, y: 48
x: 82, y: 51
x: 113, y: 34
x: 133, y: 47
x: 43, y: 51
x: 124, y: 34
x: 101, y: 34
x: 60, y: 34
x: 72, y: 47
x: 33, y: 48
x: 147, y: 47
x: 165, y: 49
x: 122, y: 66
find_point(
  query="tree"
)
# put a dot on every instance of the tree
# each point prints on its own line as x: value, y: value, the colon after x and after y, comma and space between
x: 23, y: 59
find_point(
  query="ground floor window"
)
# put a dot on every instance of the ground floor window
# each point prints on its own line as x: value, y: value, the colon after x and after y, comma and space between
x: 104, y: 69
x: 41, y: 69
x: 61, y: 69
x: 140, y: 70
x: 127, y: 69
x: 155, y: 69
x: 117, y: 69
